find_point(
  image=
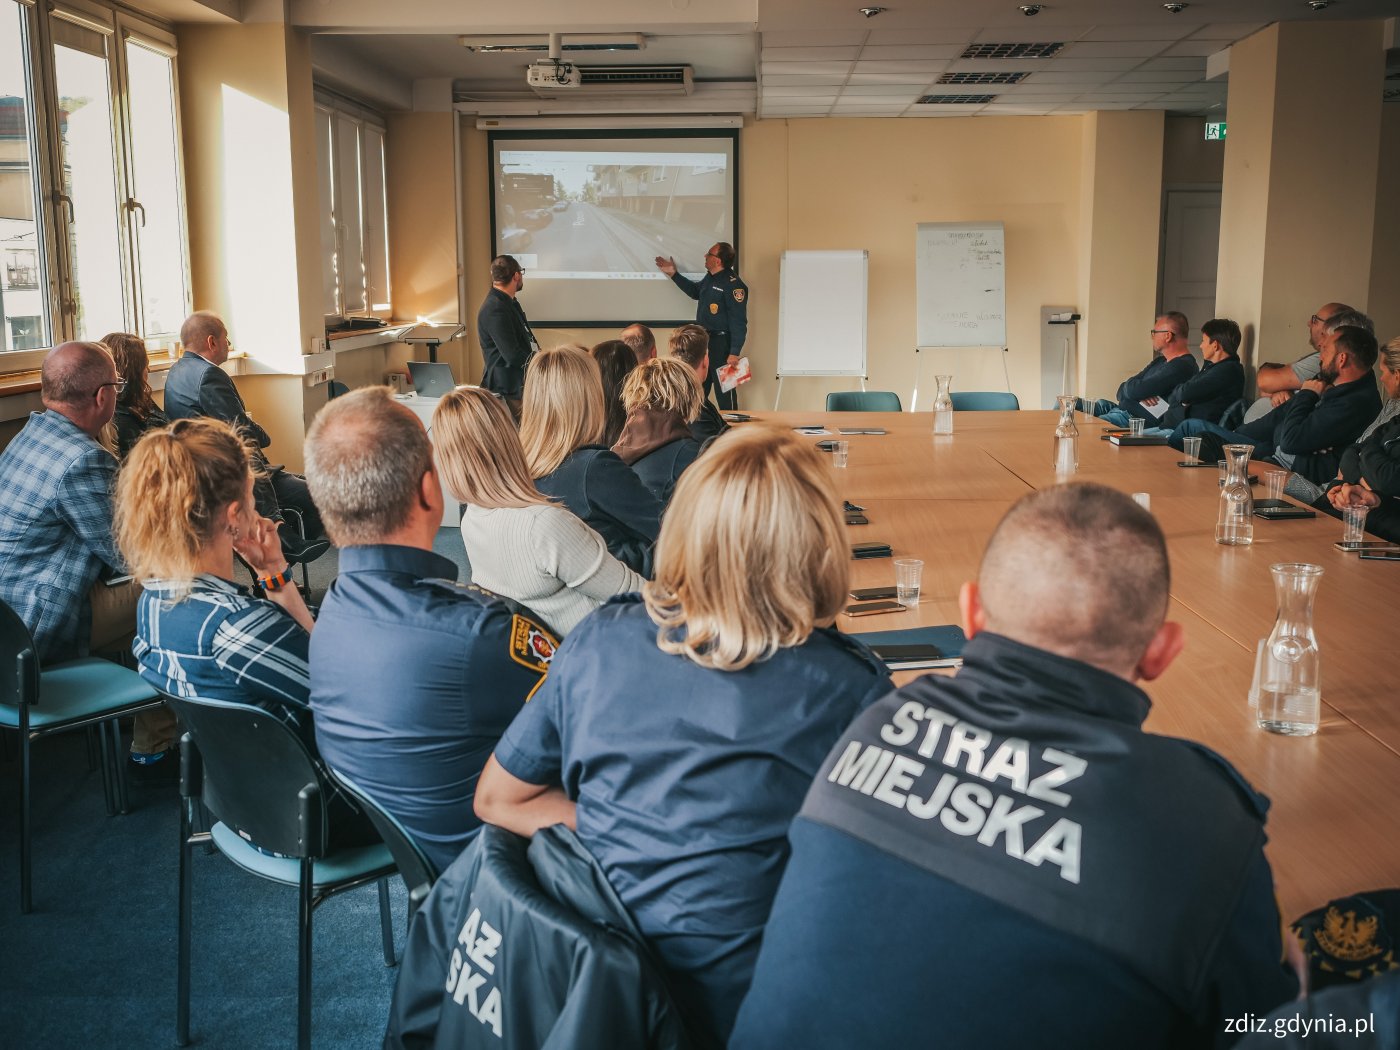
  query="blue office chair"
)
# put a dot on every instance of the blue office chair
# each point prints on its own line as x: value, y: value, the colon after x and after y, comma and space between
x: 863, y: 401
x: 985, y: 401
x: 257, y: 778
x: 76, y: 694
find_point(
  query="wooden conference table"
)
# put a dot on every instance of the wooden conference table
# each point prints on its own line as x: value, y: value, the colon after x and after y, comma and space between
x: 1334, y: 827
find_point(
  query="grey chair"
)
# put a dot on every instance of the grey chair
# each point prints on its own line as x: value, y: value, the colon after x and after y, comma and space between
x: 985, y: 401
x: 863, y: 401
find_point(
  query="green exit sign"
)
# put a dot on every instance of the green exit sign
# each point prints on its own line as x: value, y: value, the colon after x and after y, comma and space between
x: 1215, y: 132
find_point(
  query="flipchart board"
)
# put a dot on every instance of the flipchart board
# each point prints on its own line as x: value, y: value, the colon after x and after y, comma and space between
x: 821, y: 313
x: 960, y: 278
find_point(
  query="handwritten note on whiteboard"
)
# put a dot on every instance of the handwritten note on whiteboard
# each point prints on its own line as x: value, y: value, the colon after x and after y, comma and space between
x: 960, y: 278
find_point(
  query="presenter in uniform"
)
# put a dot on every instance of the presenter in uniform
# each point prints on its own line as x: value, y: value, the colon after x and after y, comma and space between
x: 507, y: 344
x: 723, y: 311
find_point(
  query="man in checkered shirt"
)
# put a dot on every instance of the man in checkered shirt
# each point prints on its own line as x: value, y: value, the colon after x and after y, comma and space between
x: 56, y: 518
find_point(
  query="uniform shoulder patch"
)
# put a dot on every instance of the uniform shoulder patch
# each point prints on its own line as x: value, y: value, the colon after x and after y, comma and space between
x: 738, y: 295
x: 531, y: 645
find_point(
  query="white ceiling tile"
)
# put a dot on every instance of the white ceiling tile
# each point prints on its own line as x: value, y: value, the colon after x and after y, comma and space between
x: 1001, y: 65
x: 1073, y: 78
x: 880, y: 91
x: 907, y: 37
x: 810, y: 95
x: 867, y: 111
x: 791, y: 81
x: 1202, y: 48
x: 1160, y: 76
x: 996, y: 109
x: 1229, y: 30
x: 1175, y: 62
x: 1167, y: 30
x: 1030, y: 33
x: 809, y: 37
x: 795, y: 116
x: 1113, y: 65
x: 1035, y: 99
x: 773, y: 107
x: 864, y: 66
x: 1165, y: 103
x: 1090, y: 105
x: 1119, y: 96
x: 1114, y: 49
x: 913, y: 80
x: 929, y: 53
x: 824, y: 69
x: 809, y: 54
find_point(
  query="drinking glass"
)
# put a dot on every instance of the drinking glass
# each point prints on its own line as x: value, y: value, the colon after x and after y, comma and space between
x: 1135, y: 426
x: 1354, y: 524
x: 1274, y: 481
x: 1143, y: 500
x: 839, y: 451
x: 908, y: 578
x: 1192, y: 447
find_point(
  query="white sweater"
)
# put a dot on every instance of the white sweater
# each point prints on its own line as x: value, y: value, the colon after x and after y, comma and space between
x: 545, y: 558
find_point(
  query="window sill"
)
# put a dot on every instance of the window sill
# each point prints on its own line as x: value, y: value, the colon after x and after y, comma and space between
x: 19, y: 391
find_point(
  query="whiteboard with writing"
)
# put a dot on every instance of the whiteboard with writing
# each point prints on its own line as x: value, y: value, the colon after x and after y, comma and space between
x: 821, y: 313
x: 960, y: 274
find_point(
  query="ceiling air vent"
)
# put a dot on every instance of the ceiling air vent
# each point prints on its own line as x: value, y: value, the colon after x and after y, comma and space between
x: 965, y: 100
x: 1036, y: 50
x: 982, y: 78
x: 658, y: 76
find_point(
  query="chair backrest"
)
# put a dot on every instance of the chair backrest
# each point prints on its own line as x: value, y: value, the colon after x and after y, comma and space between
x: 1233, y: 416
x: 258, y: 775
x: 418, y: 871
x: 19, y: 663
x: 863, y: 401
x: 985, y: 401
x: 335, y: 388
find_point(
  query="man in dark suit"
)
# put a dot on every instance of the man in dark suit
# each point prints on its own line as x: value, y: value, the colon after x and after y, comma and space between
x: 196, y: 386
x: 507, y: 343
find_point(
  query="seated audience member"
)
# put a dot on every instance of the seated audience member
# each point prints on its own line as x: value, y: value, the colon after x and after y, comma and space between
x: 196, y: 386
x: 1219, y: 383
x: 561, y: 428
x: 56, y: 530
x: 184, y: 505
x: 413, y: 731
x: 661, y: 398
x: 615, y: 361
x: 1308, y: 432
x: 1317, y: 495
x: 1171, y: 365
x: 1276, y: 382
x: 678, y: 730
x: 520, y: 544
x: 136, y: 408
x: 1369, y: 477
x: 642, y: 341
x: 691, y: 343
x: 1012, y: 830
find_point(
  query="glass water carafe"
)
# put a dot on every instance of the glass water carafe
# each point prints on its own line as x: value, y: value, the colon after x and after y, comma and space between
x: 943, y: 405
x: 1287, y: 687
x: 1066, y: 437
x: 1234, y: 524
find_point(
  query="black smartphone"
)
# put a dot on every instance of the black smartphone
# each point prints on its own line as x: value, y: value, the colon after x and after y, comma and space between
x: 871, y: 608
x: 1271, y: 504
x: 892, y: 654
x: 1283, y: 513
x: 829, y: 445
x: 857, y: 519
x: 1198, y: 463
x: 1380, y: 555
x: 871, y: 594
x: 871, y: 550
x: 1351, y: 548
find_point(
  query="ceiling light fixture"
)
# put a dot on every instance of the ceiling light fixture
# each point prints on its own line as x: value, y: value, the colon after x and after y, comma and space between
x: 1319, y: 5
x: 871, y: 12
x: 1175, y: 9
x: 1031, y: 9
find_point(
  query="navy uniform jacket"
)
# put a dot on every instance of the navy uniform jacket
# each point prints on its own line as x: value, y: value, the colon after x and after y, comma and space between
x: 1158, y: 379
x: 607, y: 494
x: 413, y: 680
x: 722, y: 306
x: 1005, y: 859
x: 686, y: 779
x: 506, y: 343
x: 1316, y: 429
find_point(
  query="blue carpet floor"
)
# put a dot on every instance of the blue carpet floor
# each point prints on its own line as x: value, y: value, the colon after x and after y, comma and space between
x: 94, y: 965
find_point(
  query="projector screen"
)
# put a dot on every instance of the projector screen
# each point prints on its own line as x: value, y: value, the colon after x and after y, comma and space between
x: 586, y: 214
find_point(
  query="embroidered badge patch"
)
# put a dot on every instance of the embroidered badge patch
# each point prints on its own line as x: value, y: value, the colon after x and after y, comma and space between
x: 530, y: 644
x: 738, y: 295
x: 714, y: 308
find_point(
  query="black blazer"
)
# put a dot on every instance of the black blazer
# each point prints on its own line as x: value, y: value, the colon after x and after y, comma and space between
x: 506, y: 343
x: 605, y: 492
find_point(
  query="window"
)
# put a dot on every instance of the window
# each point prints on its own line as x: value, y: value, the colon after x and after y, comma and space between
x: 92, y: 220
x: 354, y: 227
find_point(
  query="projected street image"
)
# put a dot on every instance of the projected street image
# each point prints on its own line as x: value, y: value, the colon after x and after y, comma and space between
x: 609, y: 214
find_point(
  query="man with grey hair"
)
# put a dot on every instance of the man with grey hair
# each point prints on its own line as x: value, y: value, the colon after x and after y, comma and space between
x: 56, y: 529
x: 1019, y: 819
x: 412, y: 717
x: 640, y: 338
x: 1171, y: 365
x: 196, y: 386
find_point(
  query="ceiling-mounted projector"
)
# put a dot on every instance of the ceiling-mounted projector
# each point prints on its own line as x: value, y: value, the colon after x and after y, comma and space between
x: 549, y: 75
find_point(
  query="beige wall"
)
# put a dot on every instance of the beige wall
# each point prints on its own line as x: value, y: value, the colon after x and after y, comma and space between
x: 1384, y: 298
x: 1187, y: 158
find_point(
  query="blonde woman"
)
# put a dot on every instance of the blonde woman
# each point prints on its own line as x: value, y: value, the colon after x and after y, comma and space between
x: 662, y: 399
x: 678, y: 730
x: 184, y: 506
x: 562, y: 425
x: 520, y: 545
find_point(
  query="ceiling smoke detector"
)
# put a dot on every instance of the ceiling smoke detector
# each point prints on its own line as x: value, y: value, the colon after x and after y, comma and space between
x: 1319, y: 5
x: 871, y: 12
x: 1175, y: 9
x: 1031, y: 9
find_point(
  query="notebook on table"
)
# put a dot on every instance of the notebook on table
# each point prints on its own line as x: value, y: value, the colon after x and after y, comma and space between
x: 917, y: 648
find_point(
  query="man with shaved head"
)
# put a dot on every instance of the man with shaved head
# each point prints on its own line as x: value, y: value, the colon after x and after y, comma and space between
x: 1005, y: 858
x: 56, y: 525
x: 640, y: 338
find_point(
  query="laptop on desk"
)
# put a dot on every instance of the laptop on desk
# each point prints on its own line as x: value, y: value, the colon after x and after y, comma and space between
x: 431, y: 379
